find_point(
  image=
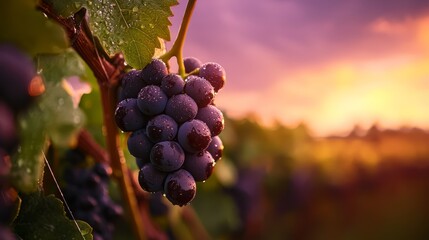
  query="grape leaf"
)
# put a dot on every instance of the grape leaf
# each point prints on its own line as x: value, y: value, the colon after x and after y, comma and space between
x: 26, y: 28
x: 52, y: 117
x: 43, y: 217
x: 132, y: 27
x: 54, y: 67
x: 27, y: 164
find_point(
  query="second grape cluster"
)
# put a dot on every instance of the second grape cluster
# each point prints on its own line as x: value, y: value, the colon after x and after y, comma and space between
x: 174, y: 124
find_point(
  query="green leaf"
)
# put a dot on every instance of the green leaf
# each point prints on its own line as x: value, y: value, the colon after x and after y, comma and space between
x: 52, y: 117
x: 43, y: 217
x: 27, y: 164
x: 27, y: 28
x: 54, y: 67
x: 62, y: 120
x: 132, y: 27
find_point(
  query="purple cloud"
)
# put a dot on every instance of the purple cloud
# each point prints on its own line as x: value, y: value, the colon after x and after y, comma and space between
x: 254, y: 39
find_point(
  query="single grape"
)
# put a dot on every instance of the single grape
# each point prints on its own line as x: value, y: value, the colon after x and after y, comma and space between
x: 17, y: 72
x: 214, y: 73
x: 154, y: 72
x: 111, y: 211
x: 151, y: 179
x: 92, y: 180
x: 180, y: 187
x: 128, y: 116
x: 200, y: 165
x: 213, y: 117
x: 139, y: 145
x: 8, y: 132
x: 172, y: 84
x: 194, y: 136
x: 167, y: 156
x: 102, y: 170
x: 200, y: 90
x: 181, y: 108
x: 151, y: 100
x: 215, y: 148
x: 161, y: 128
x: 131, y: 84
x: 191, y: 64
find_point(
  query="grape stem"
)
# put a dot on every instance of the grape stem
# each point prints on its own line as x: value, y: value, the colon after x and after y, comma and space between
x: 177, y: 48
x: 107, y: 71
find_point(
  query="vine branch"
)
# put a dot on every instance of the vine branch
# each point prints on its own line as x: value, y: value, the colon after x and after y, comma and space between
x: 177, y: 48
x: 107, y: 71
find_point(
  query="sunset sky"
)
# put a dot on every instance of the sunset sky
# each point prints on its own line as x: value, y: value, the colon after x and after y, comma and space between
x: 331, y: 64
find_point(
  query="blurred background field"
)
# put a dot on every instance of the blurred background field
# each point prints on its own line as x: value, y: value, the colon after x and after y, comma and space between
x: 280, y: 182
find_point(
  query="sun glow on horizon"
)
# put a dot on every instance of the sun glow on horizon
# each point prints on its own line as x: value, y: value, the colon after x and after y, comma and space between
x: 333, y: 97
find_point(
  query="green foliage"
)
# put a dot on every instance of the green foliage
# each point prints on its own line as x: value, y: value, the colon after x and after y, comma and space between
x: 43, y: 217
x: 131, y: 27
x: 25, y: 27
x: 53, y: 117
x: 218, y: 220
x: 54, y: 67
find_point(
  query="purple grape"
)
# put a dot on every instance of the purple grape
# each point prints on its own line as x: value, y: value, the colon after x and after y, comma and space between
x: 128, y: 116
x: 167, y: 156
x: 151, y: 100
x: 194, y: 136
x: 151, y: 179
x: 154, y: 72
x: 102, y: 170
x: 191, y: 64
x: 8, y: 131
x: 215, y: 148
x: 200, y: 165
x: 161, y: 128
x: 131, y: 84
x: 213, y: 117
x: 200, y: 90
x: 16, y: 71
x: 214, y: 73
x: 180, y: 187
x: 181, y: 108
x: 139, y: 144
x: 172, y: 84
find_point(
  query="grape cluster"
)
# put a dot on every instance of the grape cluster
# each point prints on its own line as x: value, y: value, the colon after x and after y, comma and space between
x: 174, y: 124
x: 17, y: 73
x: 86, y: 192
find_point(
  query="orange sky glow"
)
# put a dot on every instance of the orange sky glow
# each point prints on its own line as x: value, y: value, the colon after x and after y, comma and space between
x: 388, y: 87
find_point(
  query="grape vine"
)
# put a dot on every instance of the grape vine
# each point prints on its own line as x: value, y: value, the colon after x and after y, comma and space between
x: 156, y: 111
